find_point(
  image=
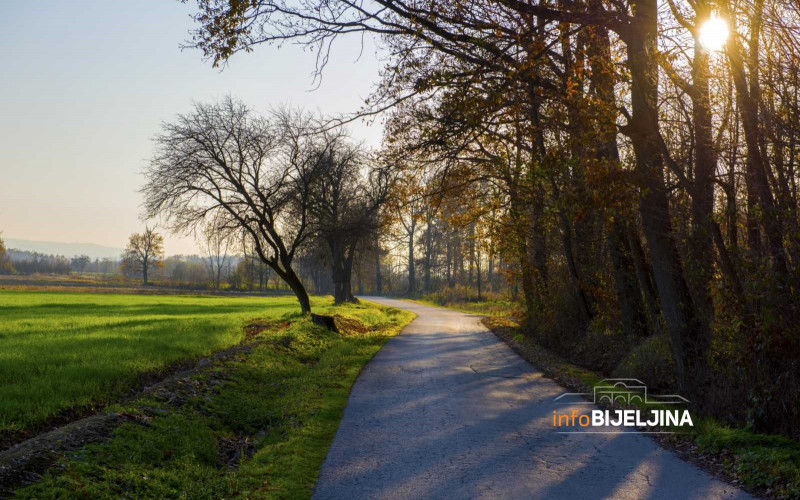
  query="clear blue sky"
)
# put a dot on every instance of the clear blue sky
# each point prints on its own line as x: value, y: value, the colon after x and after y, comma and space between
x: 85, y: 85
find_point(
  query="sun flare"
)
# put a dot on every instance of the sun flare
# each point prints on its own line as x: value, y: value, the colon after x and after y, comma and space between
x: 714, y: 33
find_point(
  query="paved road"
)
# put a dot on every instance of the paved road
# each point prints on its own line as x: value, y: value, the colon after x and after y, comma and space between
x: 446, y: 410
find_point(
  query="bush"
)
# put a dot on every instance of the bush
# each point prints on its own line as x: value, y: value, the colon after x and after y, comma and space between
x: 651, y: 362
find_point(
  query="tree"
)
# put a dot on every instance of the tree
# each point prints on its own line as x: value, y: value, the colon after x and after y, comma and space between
x: 600, y: 127
x: 252, y: 267
x: 144, y: 252
x: 252, y: 173
x: 408, y: 205
x: 476, y: 35
x: 347, y: 196
x: 215, y: 245
x: 5, y: 262
x: 80, y: 263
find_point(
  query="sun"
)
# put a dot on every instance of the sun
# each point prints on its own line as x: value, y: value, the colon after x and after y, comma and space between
x: 714, y: 33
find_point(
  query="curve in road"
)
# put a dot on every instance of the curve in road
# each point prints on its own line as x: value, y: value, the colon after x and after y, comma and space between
x: 445, y: 410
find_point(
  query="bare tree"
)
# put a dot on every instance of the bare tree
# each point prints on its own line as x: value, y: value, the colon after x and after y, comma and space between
x: 346, y: 200
x: 216, y: 242
x: 253, y: 173
x: 254, y: 268
x: 144, y: 251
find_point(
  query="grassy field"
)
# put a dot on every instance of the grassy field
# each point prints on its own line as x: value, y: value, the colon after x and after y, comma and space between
x: 257, y: 425
x: 63, y: 353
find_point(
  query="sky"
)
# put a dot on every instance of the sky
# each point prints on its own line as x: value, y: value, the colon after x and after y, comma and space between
x: 85, y: 85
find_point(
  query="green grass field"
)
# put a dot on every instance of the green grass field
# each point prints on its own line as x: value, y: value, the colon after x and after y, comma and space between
x: 258, y: 426
x: 68, y: 352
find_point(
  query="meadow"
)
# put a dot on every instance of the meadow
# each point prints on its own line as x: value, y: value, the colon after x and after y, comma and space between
x: 256, y: 424
x: 63, y: 354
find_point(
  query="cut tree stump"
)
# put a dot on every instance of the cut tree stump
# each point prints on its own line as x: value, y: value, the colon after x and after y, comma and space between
x: 324, y: 321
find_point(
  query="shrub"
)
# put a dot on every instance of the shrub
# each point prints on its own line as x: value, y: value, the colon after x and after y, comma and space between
x: 651, y: 362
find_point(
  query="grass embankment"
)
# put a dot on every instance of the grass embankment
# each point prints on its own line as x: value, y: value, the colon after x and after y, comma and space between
x: 769, y: 464
x: 257, y: 425
x: 489, y: 307
x: 62, y: 354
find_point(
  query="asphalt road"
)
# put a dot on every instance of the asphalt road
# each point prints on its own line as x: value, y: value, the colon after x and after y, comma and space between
x: 446, y: 410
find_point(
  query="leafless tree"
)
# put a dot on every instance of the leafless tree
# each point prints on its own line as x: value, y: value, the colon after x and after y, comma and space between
x: 216, y: 242
x: 144, y: 251
x: 251, y: 172
x: 347, y: 197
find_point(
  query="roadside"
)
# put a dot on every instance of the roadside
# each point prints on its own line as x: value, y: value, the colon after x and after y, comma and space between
x: 765, y: 465
x: 253, y: 422
x: 491, y: 308
x: 448, y: 411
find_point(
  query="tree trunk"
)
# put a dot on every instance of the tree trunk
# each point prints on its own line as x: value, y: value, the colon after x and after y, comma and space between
x: 478, y: 272
x: 701, y: 245
x: 471, y: 252
x: 644, y: 275
x: 629, y: 295
x: 581, y: 296
x: 428, y: 257
x: 537, y: 232
x: 520, y: 228
x: 341, y: 271
x: 449, y: 257
x: 412, y: 283
x: 490, y: 269
x: 348, y: 275
x: 747, y: 97
x: 689, y: 339
x: 378, y: 274
x: 290, y: 277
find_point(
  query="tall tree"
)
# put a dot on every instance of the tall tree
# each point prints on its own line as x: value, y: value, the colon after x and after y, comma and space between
x: 564, y: 109
x: 345, y: 201
x: 253, y: 173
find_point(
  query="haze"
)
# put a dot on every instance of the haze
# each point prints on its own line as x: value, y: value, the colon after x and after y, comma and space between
x: 85, y: 87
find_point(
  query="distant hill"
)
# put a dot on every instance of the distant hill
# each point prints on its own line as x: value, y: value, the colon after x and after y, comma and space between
x: 65, y: 249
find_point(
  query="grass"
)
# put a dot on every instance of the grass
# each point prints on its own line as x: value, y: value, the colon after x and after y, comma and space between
x: 769, y: 463
x: 758, y: 460
x: 259, y: 426
x: 489, y: 307
x: 69, y: 352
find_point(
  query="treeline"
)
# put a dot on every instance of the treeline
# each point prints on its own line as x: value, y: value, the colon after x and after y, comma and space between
x: 27, y: 262
x: 635, y: 174
x: 178, y: 271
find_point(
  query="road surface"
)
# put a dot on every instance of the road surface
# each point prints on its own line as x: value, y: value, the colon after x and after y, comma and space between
x: 447, y: 411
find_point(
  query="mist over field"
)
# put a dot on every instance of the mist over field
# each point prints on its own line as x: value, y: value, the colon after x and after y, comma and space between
x: 66, y: 249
